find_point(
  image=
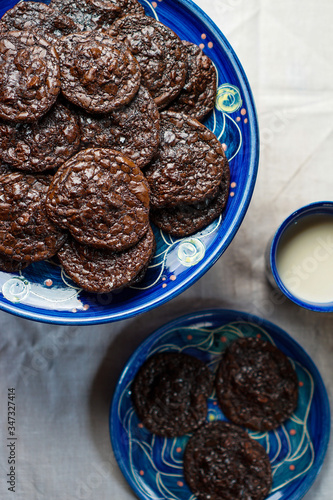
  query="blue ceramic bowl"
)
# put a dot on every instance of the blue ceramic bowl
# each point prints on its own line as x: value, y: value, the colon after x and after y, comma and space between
x: 43, y: 292
x: 153, y: 465
x: 317, y: 208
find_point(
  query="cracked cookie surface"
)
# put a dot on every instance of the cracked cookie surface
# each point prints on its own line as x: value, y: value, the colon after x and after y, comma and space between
x: 102, y: 198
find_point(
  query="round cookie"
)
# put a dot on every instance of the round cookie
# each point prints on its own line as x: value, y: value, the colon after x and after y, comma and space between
x: 38, y: 17
x: 184, y: 220
x: 133, y: 129
x: 42, y: 145
x: 256, y: 384
x: 170, y: 393
x: 98, y: 74
x: 29, y: 76
x: 197, y: 97
x: 100, y: 271
x: 26, y: 233
x: 160, y: 53
x: 90, y: 14
x: 189, y: 164
x: 221, y: 462
x: 102, y: 198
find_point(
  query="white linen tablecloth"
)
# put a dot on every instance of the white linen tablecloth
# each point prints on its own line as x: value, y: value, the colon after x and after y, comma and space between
x: 64, y: 376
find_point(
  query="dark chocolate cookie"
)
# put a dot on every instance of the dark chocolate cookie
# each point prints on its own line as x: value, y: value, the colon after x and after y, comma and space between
x: 37, y: 16
x: 189, y: 163
x: 29, y: 76
x: 160, y: 53
x: 256, y: 384
x: 222, y: 462
x: 98, y: 74
x: 170, y: 393
x: 197, y: 98
x: 42, y: 145
x: 102, y: 198
x: 26, y: 233
x: 90, y: 14
x: 132, y: 129
x: 101, y: 271
x: 184, y: 220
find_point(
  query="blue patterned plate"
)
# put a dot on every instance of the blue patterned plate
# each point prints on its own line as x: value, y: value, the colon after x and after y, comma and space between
x: 43, y: 292
x: 153, y: 465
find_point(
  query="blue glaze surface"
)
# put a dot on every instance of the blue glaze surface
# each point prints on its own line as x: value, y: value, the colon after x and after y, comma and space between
x: 43, y: 292
x: 153, y: 465
x: 317, y: 208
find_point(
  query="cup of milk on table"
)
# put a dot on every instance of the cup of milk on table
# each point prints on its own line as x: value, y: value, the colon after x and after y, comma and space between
x: 300, y: 256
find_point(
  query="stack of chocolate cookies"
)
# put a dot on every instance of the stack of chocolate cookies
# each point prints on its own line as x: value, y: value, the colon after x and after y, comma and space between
x: 88, y: 159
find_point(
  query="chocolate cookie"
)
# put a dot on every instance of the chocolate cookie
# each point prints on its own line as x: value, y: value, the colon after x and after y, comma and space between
x: 184, y: 220
x: 42, y: 145
x: 132, y: 129
x: 29, y: 76
x: 26, y: 233
x: 189, y: 164
x: 160, y: 53
x: 101, y: 271
x: 90, y: 14
x: 97, y: 73
x: 197, y: 98
x: 222, y: 462
x: 256, y: 384
x: 102, y: 198
x: 170, y: 393
x: 37, y: 16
